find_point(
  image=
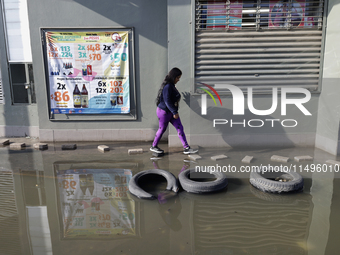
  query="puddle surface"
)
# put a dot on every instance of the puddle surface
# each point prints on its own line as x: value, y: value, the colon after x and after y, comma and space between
x: 77, y: 202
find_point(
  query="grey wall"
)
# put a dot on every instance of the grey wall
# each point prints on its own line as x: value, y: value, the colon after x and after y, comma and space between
x: 180, y: 54
x: 149, y: 19
x: 15, y: 120
x: 329, y: 113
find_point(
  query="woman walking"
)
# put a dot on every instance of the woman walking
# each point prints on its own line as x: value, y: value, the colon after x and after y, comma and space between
x: 167, y: 111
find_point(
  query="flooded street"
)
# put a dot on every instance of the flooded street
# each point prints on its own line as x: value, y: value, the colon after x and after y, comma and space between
x: 77, y: 202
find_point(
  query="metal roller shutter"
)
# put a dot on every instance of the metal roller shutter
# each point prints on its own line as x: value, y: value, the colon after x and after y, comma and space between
x: 255, y: 48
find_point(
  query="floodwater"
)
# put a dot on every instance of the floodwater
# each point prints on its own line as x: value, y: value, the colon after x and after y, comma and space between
x: 76, y: 202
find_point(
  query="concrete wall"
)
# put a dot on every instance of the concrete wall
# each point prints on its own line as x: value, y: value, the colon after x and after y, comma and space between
x: 149, y: 19
x: 327, y: 135
x: 180, y: 54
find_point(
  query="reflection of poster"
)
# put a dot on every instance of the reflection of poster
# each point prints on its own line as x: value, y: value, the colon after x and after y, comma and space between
x: 217, y: 17
x: 88, y: 72
x: 94, y: 203
x: 310, y: 21
x: 279, y: 13
x: 235, y: 17
x: 310, y: 10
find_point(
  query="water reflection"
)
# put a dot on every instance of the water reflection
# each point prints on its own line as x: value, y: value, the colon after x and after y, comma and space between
x: 9, y: 218
x: 170, y: 208
x: 93, y: 203
x: 77, y: 203
x: 252, y: 223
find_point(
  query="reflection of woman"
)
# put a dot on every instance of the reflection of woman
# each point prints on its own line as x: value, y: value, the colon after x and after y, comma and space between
x: 167, y: 111
x: 297, y: 13
x: 169, y: 205
x: 280, y: 11
x: 170, y: 208
x: 277, y: 14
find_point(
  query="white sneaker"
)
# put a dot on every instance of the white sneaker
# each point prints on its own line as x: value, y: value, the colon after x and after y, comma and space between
x: 156, y: 149
x: 188, y: 150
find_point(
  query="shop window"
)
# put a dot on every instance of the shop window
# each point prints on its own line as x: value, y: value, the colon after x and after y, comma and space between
x: 22, y: 83
x: 259, y: 43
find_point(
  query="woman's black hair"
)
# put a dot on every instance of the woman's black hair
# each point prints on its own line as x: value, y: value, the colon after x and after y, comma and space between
x: 170, y: 78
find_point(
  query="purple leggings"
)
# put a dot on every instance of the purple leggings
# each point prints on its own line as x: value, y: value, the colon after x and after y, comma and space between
x: 164, y: 119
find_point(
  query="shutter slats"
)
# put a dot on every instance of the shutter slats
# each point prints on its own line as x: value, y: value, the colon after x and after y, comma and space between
x: 259, y: 82
x: 259, y: 33
x: 258, y: 58
x: 244, y: 60
x: 209, y: 56
x: 259, y: 44
x: 252, y: 77
x: 254, y: 38
x: 259, y: 50
x: 258, y: 71
x: 268, y: 67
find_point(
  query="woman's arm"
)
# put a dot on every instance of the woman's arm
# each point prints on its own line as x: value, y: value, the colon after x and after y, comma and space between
x: 167, y: 95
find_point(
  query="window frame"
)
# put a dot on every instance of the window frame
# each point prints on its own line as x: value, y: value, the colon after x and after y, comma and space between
x: 29, y: 83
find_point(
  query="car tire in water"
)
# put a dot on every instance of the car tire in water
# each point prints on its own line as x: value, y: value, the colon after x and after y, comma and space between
x: 202, y: 187
x: 294, y: 182
x: 136, y: 190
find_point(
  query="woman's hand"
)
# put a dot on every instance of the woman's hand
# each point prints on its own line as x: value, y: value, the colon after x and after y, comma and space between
x: 176, y: 116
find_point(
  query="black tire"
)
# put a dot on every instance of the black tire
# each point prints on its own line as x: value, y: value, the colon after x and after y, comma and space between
x: 202, y: 187
x: 134, y: 188
x: 294, y: 183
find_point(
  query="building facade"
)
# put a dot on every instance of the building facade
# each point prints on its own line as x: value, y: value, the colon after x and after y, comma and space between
x: 279, y: 49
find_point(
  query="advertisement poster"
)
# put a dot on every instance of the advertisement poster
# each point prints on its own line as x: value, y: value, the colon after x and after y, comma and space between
x: 88, y: 72
x: 94, y: 203
x: 279, y: 10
